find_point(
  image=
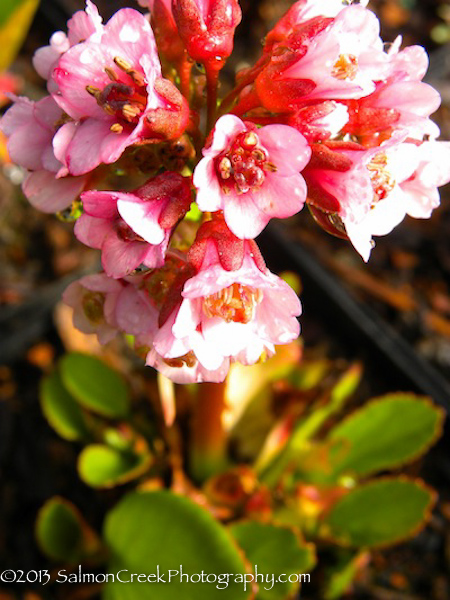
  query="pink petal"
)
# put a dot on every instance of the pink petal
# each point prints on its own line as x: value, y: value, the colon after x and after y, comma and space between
x: 243, y: 216
x: 135, y: 314
x: 120, y: 258
x: 51, y: 195
x: 91, y: 231
x: 209, y: 194
x: 281, y: 197
x: 102, y: 205
x: 142, y: 216
x: 288, y: 149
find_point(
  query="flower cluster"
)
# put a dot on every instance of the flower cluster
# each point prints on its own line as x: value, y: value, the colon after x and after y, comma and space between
x: 328, y: 116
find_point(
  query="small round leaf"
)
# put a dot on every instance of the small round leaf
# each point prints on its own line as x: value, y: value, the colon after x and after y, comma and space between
x: 61, y: 410
x: 59, y: 530
x: 104, y: 467
x: 148, y: 531
x: 274, y: 550
x: 379, y: 513
x: 95, y: 385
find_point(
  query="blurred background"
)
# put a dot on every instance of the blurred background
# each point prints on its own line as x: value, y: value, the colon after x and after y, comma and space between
x: 403, y: 293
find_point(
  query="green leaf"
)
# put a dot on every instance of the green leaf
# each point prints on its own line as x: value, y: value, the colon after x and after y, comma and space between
x: 344, y: 574
x: 61, y: 410
x: 274, y: 550
x: 104, y: 467
x: 150, y: 530
x: 95, y: 385
x: 379, y: 513
x: 62, y: 533
x: 384, y: 434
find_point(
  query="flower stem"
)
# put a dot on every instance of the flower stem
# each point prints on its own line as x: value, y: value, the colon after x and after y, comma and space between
x: 212, y: 79
x: 184, y: 71
x: 208, y: 437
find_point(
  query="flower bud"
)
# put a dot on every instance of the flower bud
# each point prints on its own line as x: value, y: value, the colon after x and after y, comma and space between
x: 207, y: 27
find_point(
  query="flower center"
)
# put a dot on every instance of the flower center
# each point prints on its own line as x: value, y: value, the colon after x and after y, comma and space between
x: 346, y: 67
x: 244, y: 166
x: 92, y: 304
x: 125, y: 97
x: 235, y: 303
x: 382, y: 181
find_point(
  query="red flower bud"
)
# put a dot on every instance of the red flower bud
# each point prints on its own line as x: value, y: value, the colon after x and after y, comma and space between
x: 207, y: 27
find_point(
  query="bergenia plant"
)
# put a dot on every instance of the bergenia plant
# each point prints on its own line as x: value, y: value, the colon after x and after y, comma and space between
x: 172, y: 184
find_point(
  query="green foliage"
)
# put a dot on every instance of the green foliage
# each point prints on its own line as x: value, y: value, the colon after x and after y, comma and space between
x: 104, y: 466
x: 342, y: 576
x: 94, y: 385
x: 161, y: 528
x: 62, y: 533
x: 379, y: 513
x: 61, y: 410
x: 275, y: 550
x: 384, y: 434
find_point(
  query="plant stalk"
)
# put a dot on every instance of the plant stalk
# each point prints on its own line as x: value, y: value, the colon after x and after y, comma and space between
x: 208, y: 436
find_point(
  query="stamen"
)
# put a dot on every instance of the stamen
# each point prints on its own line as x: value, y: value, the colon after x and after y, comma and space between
x: 123, y: 64
x: 131, y: 111
x: 245, y: 165
x: 111, y: 74
x: 235, y: 303
x: 116, y: 128
x: 93, y: 91
x: 346, y: 67
x: 225, y: 168
x: 382, y: 181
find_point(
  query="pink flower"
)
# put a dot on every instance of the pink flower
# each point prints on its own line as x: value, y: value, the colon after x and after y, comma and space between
x: 413, y: 172
x: 226, y: 315
x: 94, y: 299
x: 30, y: 127
x: 134, y: 228
x: 252, y: 174
x: 111, y: 86
x: 80, y: 27
x: 321, y: 59
x: 369, y: 192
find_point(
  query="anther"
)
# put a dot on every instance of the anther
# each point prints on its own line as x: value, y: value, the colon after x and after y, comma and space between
x: 93, y: 91
x: 250, y: 140
x: 225, y: 168
x: 122, y: 64
x: 130, y: 111
x: 111, y: 74
x: 116, y: 128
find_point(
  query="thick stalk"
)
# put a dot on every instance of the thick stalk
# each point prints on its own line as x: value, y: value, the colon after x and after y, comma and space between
x: 208, y: 437
x: 184, y: 71
x: 212, y: 80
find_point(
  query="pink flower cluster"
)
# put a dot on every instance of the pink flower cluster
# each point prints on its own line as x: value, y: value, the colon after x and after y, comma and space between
x: 328, y: 116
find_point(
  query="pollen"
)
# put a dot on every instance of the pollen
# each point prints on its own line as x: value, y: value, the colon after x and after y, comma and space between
x: 235, y: 303
x: 346, y: 67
